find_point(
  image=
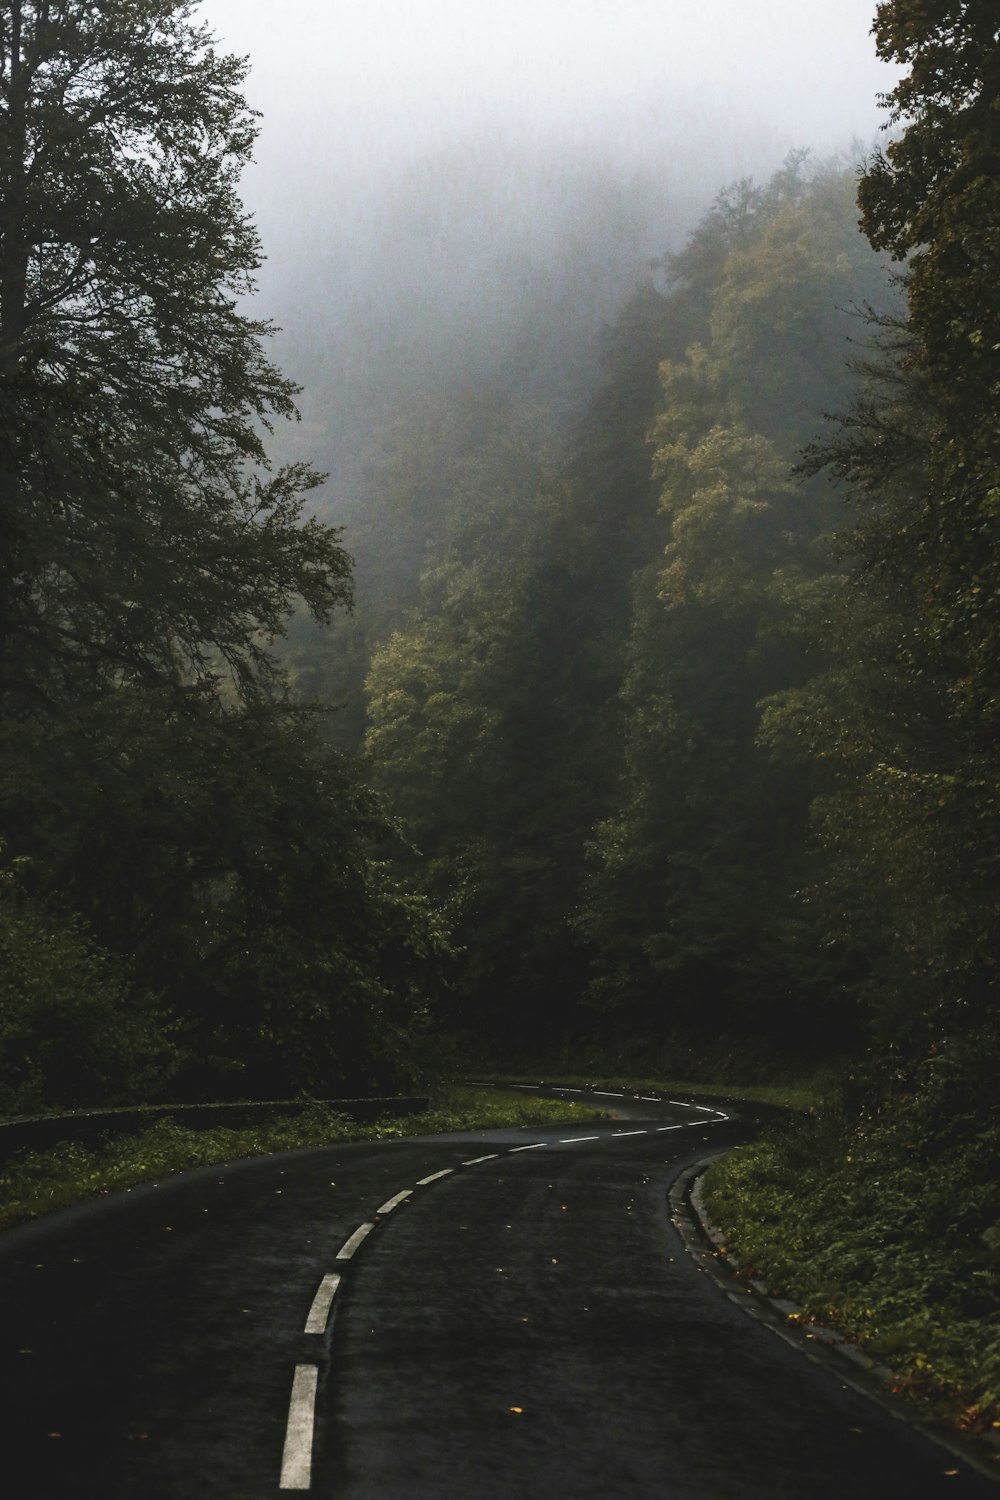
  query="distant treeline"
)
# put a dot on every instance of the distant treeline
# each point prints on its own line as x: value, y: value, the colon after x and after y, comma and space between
x: 689, y: 712
x: 582, y: 714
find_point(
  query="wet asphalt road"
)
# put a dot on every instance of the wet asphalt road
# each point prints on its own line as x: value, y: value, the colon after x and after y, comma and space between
x: 528, y: 1325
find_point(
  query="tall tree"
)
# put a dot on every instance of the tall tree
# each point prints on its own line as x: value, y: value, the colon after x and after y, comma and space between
x: 151, y: 769
x: 909, y: 713
x: 692, y: 906
x: 140, y: 530
x: 492, y: 711
x: 932, y: 199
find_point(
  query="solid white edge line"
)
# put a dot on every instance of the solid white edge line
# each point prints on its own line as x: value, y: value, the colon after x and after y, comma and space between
x: 424, y: 1181
x: 296, y: 1459
x: 348, y: 1248
x: 533, y: 1147
x: 320, y: 1310
x: 394, y: 1202
x: 477, y: 1159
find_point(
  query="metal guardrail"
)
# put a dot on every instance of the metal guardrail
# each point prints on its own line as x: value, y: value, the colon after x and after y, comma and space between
x: 90, y: 1127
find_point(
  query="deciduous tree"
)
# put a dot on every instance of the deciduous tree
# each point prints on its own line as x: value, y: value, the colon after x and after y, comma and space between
x: 141, y: 532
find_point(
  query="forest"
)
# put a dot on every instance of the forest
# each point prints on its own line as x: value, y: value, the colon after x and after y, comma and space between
x: 645, y: 721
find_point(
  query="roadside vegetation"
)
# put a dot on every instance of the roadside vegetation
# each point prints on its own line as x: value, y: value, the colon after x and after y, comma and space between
x: 885, y: 1224
x: 41, y: 1182
x: 781, y: 1096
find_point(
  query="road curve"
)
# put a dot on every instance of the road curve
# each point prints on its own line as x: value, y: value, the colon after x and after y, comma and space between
x: 499, y: 1314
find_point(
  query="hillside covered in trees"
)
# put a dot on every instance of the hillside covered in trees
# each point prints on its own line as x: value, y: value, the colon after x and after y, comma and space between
x: 571, y: 715
x: 663, y: 722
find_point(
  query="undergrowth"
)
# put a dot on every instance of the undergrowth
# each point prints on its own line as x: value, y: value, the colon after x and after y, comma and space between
x: 885, y: 1224
x: 40, y: 1182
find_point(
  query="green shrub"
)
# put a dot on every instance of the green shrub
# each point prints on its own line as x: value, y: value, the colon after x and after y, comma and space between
x: 73, y: 1032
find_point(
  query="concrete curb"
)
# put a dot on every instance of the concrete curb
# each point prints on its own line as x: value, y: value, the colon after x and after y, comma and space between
x: 706, y: 1245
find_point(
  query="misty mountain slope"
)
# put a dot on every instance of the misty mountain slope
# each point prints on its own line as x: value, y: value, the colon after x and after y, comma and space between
x: 509, y: 709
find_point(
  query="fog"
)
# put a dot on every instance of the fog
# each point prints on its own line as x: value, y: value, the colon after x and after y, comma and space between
x: 448, y: 188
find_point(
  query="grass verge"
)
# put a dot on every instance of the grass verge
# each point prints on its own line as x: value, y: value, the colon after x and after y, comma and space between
x: 42, y: 1182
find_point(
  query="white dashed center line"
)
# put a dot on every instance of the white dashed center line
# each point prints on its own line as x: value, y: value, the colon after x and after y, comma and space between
x: 320, y: 1310
x: 348, y: 1248
x: 296, y: 1460
x: 395, y: 1201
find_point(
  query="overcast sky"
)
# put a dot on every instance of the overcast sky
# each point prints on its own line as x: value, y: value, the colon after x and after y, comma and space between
x: 416, y: 67
x: 443, y: 139
x: 352, y: 91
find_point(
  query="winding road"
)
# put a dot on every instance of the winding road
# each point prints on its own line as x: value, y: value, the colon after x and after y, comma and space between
x: 465, y: 1317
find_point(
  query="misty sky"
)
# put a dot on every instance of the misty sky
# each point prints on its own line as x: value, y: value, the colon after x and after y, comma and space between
x: 425, y: 163
x: 336, y: 71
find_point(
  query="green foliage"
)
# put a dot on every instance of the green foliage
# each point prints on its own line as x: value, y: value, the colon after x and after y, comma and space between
x: 232, y: 853
x: 447, y: 482
x: 151, y: 766
x: 72, y: 1030
x: 904, y: 717
x: 882, y: 1218
x: 567, y: 720
x: 693, y: 897
x: 42, y: 1182
x: 143, y: 535
x: 491, y: 709
x: 786, y: 295
x: 886, y: 1225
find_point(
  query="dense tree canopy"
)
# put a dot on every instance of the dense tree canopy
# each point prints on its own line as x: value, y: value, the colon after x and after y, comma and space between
x: 568, y: 720
x: 909, y: 713
x: 153, y: 779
